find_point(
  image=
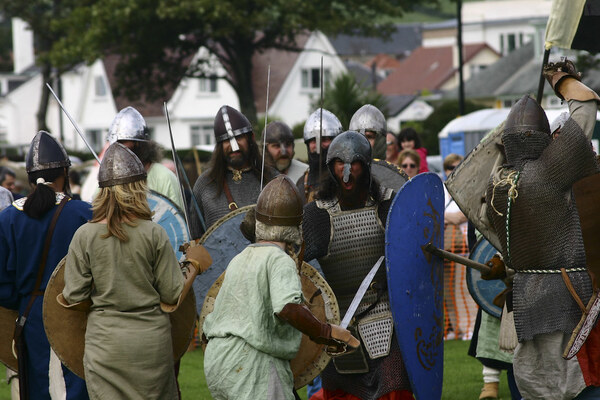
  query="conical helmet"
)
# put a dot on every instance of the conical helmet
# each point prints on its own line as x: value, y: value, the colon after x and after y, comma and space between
x: 348, y: 147
x: 230, y: 123
x: 278, y: 132
x: 526, y: 132
x: 45, y: 152
x: 128, y: 125
x: 280, y: 203
x: 368, y: 118
x: 331, y: 125
x: 120, y: 165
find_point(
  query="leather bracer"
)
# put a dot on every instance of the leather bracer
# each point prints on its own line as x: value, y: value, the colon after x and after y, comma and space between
x: 300, y: 317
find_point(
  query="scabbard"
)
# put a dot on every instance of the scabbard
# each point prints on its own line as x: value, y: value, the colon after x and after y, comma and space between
x: 21, y: 362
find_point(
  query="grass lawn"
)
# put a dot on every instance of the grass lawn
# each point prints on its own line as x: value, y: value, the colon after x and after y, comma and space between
x: 462, y: 376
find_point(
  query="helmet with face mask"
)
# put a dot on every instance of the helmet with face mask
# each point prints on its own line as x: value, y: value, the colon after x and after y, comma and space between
x: 349, y: 147
x: 280, y: 134
x: 230, y: 123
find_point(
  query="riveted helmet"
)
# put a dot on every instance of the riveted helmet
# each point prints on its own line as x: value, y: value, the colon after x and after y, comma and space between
x: 280, y: 203
x: 331, y: 125
x: 120, y: 165
x: 278, y: 132
x: 45, y: 152
x: 348, y: 147
x: 526, y: 132
x: 368, y: 118
x: 128, y: 125
x: 230, y: 123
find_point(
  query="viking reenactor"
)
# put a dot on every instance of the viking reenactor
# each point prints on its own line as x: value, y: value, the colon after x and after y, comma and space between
x: 280, y: 150
x: 344, y: 230
x: 233, y: 177
x: 129, y: 128
x: 326, y: 127
x: 121, y: 266
x: 533, y: 212
x: 370, y: 121
x: 35, y: 232
x: 258, y: 319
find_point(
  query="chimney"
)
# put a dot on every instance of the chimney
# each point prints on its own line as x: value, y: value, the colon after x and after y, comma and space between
x: 22, y: 38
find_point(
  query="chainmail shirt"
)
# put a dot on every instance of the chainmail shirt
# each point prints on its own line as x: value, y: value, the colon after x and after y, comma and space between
x: 544, y: 232
x: 385, y: 374
x: 213, y: 206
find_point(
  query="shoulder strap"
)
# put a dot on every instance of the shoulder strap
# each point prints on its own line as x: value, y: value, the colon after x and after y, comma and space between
x: 232, y: 204
x: 36, y: 292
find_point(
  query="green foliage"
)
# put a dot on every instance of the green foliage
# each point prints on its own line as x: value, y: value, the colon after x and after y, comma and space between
x: 443, y: 113
x: 345, y: 96
x: 156, y: 39
x: 298, y: 130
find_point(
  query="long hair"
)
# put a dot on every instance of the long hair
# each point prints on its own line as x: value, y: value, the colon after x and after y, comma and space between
x: 218, y: 164
x: 121, y: 204
x: 330, y: 188
x: 148, y: 151
x: 43, y: 197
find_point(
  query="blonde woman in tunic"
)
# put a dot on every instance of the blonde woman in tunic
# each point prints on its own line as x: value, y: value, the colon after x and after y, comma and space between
x: 123, y: 262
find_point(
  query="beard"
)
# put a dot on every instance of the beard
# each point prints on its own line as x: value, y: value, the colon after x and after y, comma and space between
x: 237, y: 159
x: 358, y: 191
x: 283, y: 163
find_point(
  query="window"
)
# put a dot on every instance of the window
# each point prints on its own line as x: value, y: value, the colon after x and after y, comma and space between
x: 201, y: 134
x: 512, y: 44
x: 311, y: 78
x: 475, y: 69
x: 207, y: 85
x: 99, y: 86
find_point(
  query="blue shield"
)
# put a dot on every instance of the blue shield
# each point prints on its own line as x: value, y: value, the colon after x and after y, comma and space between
x: 223, y: 240
x: 171, y: 218
x: 482, y: 291
x: 415, y: 281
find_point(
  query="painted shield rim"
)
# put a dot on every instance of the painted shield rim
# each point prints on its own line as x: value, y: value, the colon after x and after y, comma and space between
x: 332, y: 313
x: 437, y: 240
x: 474, y: 276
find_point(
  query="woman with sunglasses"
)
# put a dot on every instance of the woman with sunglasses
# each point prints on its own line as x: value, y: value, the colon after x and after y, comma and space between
x: 410, y: 162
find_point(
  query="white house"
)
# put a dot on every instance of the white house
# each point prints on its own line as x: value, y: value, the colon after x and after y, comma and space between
x: 295, y: 77
x: 502, y: 24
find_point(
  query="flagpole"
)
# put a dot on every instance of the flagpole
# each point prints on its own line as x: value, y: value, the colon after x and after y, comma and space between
x: 540, y: 92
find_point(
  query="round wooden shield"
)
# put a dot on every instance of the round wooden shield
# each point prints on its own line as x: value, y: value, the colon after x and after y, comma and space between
x: 319, y: 298
x: 388, y: 174
x: 415, y: 280
x: 7, y: 328
x: 65, y: 328
x: 223, y: 241
x: 482, y: 291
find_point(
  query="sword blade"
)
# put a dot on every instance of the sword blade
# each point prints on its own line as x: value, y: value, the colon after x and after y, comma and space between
x: 362, y: 289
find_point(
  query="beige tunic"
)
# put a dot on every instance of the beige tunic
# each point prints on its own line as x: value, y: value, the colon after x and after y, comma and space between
x: 128, y: 350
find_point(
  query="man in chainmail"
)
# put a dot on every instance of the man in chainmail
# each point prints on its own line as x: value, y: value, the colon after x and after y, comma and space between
x: 344, y: 230
x: 532, y: 209
x: 324, y: 125
x: 233, y: 177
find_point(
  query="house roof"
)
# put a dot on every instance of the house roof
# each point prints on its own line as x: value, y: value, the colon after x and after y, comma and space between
x: 383, y: 61
x: 363, y: 74
x: 405, y: 39
x: 427, y: 68
x: 512, y: 75
x: 148, y: 108
x: 396, y: 103
x: 281, y: 62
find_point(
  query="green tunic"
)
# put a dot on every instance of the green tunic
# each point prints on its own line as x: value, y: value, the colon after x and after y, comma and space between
x: 128, y: 349
x: 249, y: 347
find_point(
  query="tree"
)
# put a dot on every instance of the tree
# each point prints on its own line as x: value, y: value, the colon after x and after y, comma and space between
x: 345, y: 96
x: 43, y: 17
x: 157, y: 38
